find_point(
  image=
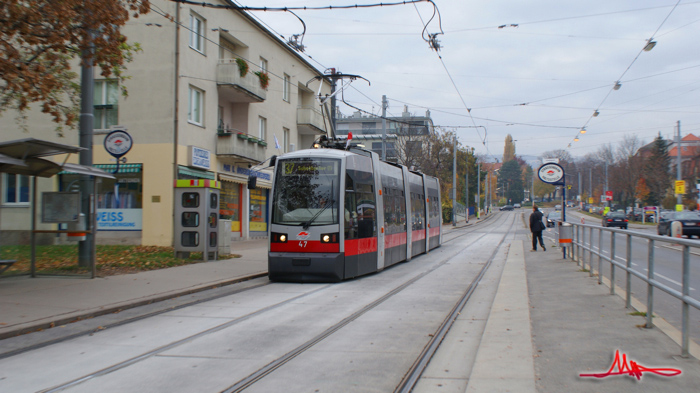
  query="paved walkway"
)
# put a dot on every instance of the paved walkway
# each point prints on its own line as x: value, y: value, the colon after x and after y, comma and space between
x: 549, y: 321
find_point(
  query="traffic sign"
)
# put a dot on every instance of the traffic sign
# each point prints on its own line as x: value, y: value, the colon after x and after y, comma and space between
x: 608, y: 195
x: 680, y: 186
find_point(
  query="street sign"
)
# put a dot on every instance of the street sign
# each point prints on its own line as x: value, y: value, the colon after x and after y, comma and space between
x: 551, y: 173
x: 608, y: 195
x: 680, y: 186
x: 118, y: 143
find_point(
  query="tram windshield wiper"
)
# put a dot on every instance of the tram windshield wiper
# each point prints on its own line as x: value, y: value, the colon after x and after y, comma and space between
x: 307, y: 224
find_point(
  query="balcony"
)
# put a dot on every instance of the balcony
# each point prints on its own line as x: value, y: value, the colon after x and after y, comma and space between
x: 234, y: 88
x: 233, y: 143
x: 310, y: 121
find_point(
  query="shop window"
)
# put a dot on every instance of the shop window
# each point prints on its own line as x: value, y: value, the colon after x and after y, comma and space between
x: 230, y: 204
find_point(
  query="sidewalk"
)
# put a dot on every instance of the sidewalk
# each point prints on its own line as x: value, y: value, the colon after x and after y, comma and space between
x: 576, y: 327
x: 30, y: 304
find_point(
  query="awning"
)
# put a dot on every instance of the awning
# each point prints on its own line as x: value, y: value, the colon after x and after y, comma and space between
x: 123, y: 168
x: 108, y: 168
x: 232, y: 179
x: 183, y: 170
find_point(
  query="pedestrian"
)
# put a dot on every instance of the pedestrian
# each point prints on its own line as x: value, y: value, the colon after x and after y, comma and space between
x: 536, y: 227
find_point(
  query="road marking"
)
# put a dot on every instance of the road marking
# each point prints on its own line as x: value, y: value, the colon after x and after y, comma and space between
x: 669, y: 279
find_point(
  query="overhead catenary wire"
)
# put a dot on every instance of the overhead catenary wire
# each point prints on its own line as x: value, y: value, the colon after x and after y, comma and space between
x: 617, y: 84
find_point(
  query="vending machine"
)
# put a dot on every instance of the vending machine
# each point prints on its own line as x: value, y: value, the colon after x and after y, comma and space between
x: 197, y: 218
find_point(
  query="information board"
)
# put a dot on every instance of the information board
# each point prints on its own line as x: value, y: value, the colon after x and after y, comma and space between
x: 59, y: 207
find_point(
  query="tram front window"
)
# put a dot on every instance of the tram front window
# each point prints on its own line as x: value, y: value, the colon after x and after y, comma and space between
x: 306, y: 192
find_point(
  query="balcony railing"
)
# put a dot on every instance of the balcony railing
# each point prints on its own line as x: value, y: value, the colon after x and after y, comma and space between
x: 235, y: 143
x: 237, y: 88
x: 310, y: 121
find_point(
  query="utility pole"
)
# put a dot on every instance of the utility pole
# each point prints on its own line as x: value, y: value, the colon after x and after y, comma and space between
x: 86, y: 256
x: 334, y: 79
x: 478, y: 190
x: 466, y: 188
x: 579, y: 188
x: 679, y: 197
x: 454, y: 180
x: 385, y: 104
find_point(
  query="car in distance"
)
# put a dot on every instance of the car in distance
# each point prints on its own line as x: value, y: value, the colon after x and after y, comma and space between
x: 615, y: 219
x: 557, y: 207
x: 689, y: 220
x: 506, y: 207
x: 516, y: 205
x: 552, y: 218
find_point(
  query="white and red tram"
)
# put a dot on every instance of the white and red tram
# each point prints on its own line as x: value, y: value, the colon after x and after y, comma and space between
x: 336, y: 214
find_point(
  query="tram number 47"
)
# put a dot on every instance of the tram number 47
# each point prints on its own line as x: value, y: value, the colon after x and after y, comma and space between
x: 302, y: 244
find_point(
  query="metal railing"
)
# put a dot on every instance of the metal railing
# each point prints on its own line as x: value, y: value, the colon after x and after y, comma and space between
x: 582, y: 244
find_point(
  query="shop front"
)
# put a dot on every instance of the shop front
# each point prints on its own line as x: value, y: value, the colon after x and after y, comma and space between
x: 247, y: 209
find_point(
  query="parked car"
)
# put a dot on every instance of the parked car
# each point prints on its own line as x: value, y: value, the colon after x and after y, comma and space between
x: 615, y: 219
x: 506, y: 207
x: 689, y: 220
x: 552, y: 218
x: 516, y: 205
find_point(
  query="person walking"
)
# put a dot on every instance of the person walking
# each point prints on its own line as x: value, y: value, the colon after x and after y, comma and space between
x: 536, y: 227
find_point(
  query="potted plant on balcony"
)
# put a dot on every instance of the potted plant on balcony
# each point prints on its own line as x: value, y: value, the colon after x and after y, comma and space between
x: 242, y: 67
x: 264, y: 79
x: 242, y: 135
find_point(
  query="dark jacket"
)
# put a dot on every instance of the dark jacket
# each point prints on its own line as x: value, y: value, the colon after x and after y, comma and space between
x: 536, y: 223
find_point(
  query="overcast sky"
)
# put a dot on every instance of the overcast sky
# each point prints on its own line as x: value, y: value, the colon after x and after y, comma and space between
x: 540, y: 78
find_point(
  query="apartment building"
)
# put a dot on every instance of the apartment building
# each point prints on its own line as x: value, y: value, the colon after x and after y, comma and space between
x: 212, y: 95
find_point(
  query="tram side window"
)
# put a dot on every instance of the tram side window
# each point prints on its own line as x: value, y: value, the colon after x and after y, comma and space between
x: 350, y: 209
x: 418, y: 211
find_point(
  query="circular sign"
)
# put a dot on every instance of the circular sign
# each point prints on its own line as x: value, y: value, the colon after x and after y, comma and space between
x: 551, y: 173
x: 118, y: 143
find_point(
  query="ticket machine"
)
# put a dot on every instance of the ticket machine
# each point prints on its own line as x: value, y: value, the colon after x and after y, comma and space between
x: 197, y: 218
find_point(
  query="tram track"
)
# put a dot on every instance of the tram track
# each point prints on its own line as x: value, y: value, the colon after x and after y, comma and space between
x: 409, y: 379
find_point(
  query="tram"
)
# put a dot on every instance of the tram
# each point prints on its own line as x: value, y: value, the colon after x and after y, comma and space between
x: 340, y: 212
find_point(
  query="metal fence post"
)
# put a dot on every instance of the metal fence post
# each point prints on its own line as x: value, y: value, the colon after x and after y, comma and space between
x: 578, y: 245
x: 600, y: 253
x: 650, y: 286
x: 628, y: 297
x: 590, y: 251
x: 685, y: 339
x: 612, y: 264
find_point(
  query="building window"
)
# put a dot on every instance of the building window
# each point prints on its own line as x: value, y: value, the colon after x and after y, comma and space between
x: 263, y: 65
x: 262, y: 128
x: 15, y: 189
x: 196, y: 106
x: 197, y: 33
x: 285, y: 139
x: 105, y: 102
x: 285, y: 88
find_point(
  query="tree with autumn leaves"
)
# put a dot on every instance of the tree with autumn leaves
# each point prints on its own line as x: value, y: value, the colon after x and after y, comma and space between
x: 40, y: 39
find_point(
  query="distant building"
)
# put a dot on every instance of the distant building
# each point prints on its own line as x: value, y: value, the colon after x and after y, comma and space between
x: 404, y: 134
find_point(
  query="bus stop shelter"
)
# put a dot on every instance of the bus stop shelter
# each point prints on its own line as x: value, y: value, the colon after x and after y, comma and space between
x: 27, y: 157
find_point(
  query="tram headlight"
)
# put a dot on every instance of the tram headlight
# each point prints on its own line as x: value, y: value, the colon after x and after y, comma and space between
x: 329, y: 238
x: 279, y: 237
